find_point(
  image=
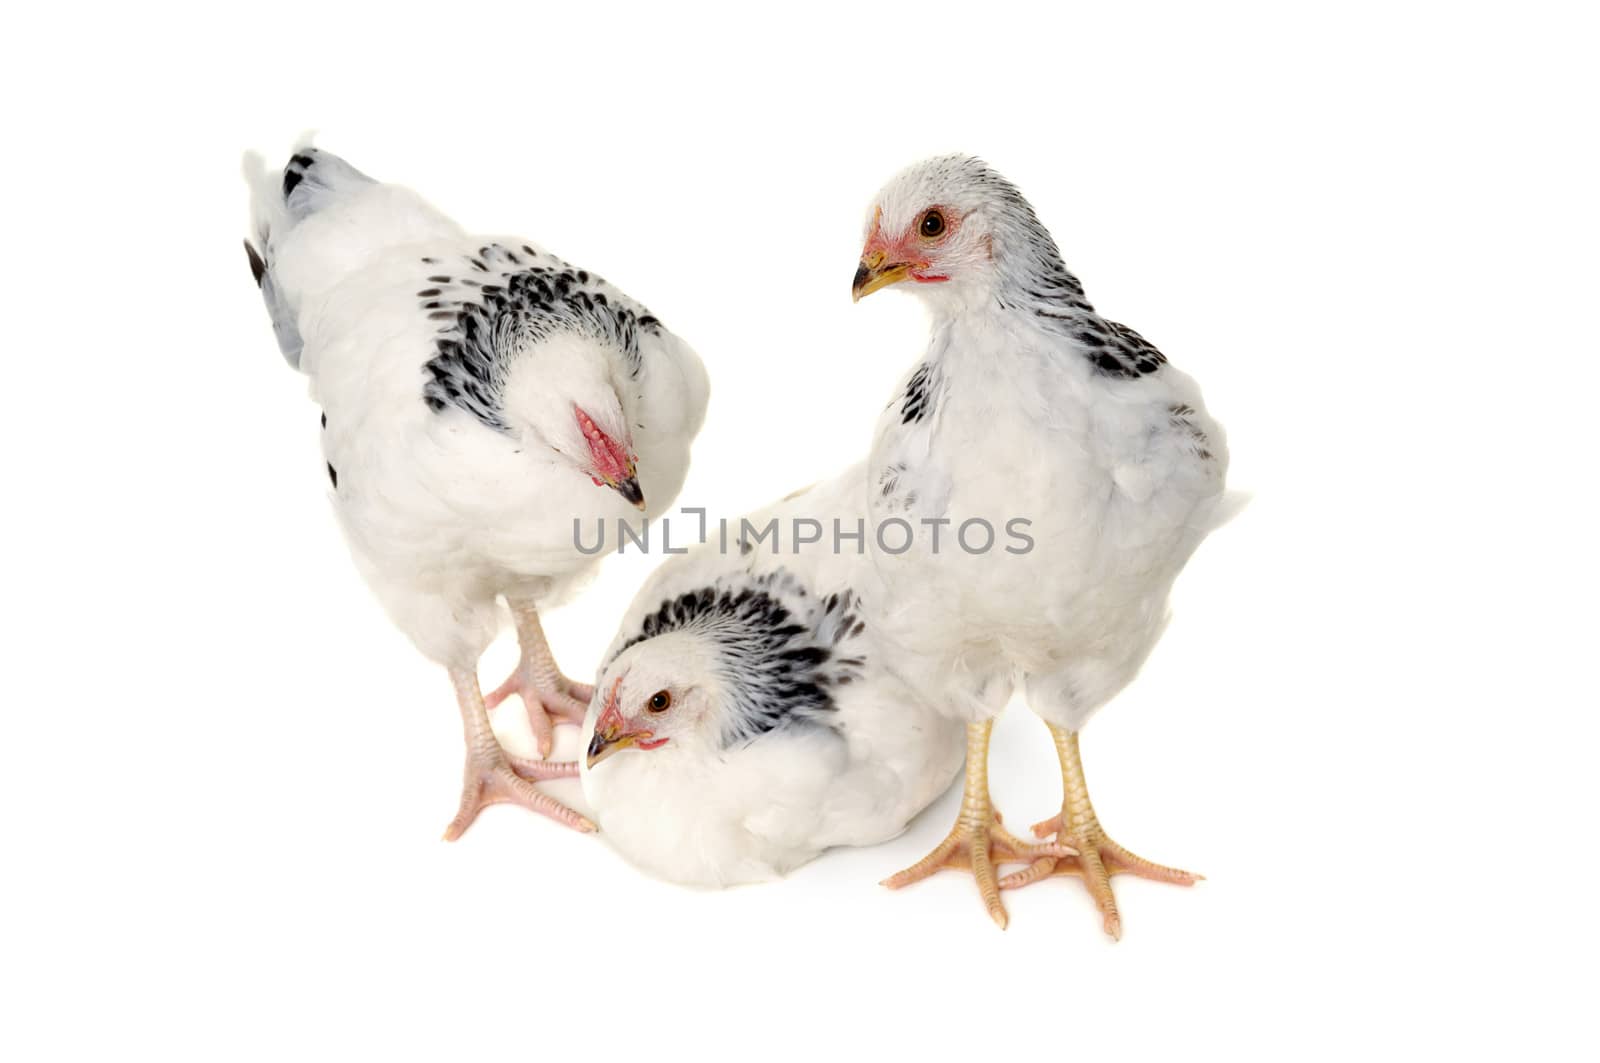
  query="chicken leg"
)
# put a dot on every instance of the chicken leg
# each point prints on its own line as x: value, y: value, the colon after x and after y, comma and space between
x: 978, y: 840
x: 545, y: 692
x: 492, y: 776
x: 1098, y: 856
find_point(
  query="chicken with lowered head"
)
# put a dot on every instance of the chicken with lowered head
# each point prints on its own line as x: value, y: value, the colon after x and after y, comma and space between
x: 478, y: 394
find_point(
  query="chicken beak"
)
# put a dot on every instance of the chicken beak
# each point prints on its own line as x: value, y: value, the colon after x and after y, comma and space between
x: 630, y: 490
x: 874, y: 272
x: 611, y: 732
x: 628, y: 487
x: 606, y: 742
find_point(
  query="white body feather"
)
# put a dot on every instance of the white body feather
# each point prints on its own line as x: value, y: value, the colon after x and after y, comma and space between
x: 1118, y: 479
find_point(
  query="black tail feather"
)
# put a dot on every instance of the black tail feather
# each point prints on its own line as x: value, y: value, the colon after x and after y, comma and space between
x: 295, y: 172
x: 258, y: 265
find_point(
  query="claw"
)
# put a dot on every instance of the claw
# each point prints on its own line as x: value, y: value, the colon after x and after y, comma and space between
x: 491, y: 777
x: 978, y: 840
x: 536, y: 769
x: 549, y: 697
x: 1099, y: 858
x: 491, y: 781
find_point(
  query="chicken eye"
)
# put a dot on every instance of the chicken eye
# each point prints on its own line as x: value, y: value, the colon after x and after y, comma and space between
x: 660, y: 701
x: 932, y: 224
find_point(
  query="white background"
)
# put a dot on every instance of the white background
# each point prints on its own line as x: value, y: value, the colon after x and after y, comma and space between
x: 1369, y: 232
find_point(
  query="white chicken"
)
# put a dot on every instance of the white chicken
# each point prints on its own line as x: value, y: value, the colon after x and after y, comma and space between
x: 744, y: 720
x: 478, y: 396
x: 1034, y: 418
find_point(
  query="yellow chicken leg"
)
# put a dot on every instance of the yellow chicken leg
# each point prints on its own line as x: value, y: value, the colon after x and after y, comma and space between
x: 1098, y: 857
x: 978, y: 840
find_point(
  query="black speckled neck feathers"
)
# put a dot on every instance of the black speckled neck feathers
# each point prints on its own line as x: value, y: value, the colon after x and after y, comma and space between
x: 781, y: 651
x: 1035, y: 281
x: 492, y: 305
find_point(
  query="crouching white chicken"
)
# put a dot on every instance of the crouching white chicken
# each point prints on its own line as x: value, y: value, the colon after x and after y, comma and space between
x: 1031, y: 413
x: 478, y: 394
x: 744, y: 721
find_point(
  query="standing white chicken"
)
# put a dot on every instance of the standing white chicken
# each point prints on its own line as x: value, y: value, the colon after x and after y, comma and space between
x: 475, y: 392
x: 1034, y: 414
x: 745, y: 720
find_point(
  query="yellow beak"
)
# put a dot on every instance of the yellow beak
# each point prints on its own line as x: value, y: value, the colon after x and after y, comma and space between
x: 610, y: 740
x: 874, y: 273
